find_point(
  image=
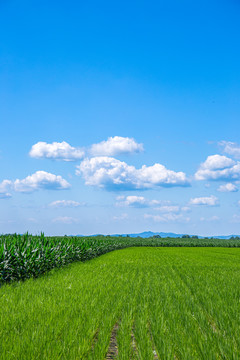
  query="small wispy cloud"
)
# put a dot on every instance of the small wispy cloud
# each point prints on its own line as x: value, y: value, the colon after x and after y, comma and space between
x: 174, y: 209
x: 32, y: 220
x: 65, y: 203
x: 5, y: 195
x: 123, y: 216
x: 169, y: 217
x: 65, y: 220
x: 212, y: 218
x: 207, y: 201
x: 168, y: 208
x: 231, y: 148
x: 136, y: 201
x: 5, y: 187
x: 229, y: 187
x: 235, y: 218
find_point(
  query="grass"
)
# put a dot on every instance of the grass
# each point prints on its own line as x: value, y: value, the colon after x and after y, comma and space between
x: 136, y: 303
x: 26, y: 256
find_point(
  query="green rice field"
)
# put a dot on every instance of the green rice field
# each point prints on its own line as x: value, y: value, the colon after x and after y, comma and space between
x: 136, y: 303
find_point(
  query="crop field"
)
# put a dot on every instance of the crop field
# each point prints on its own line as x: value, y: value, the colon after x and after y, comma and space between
x: 136, y: 303
x: 26, y: 256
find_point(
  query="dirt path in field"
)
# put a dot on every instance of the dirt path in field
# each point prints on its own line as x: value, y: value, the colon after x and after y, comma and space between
x: 113, y: 348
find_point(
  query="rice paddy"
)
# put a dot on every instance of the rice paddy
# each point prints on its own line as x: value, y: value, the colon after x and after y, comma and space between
x: 136, y: 303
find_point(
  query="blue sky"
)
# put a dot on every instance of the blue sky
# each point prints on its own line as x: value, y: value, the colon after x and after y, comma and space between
x: 120, y: 117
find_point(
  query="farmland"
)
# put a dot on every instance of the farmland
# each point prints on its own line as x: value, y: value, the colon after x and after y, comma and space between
x: 136, y: 303
x: 26, y: 256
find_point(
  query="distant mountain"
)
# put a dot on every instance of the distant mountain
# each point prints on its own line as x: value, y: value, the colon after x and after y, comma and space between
x: 147, y: 234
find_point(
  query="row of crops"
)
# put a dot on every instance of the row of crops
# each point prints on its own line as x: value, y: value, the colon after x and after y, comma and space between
x: 26, y: 256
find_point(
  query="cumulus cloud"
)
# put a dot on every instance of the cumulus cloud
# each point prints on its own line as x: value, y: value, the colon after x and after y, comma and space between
x: 56, y: 151
x: 40, y: 180
x: 136, y: 201
x: 65, y: 203
x: 229, y: 187
x: 208, y: 201
x: 231, y: 148
x: 63, y: 151
x: 217, y: 162
x: 110, y: 173
x: 65, y: 220
x: 218, y: 167
x: 115, y: 146
x: 169, y: 217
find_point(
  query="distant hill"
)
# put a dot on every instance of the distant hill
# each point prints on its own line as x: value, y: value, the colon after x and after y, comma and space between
x: 147, y: 234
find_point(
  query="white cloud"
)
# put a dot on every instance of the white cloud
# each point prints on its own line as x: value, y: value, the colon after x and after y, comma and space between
x: 120, y: 217
x: 170, y: 213
x: 64, y: 203
x: 32, y: 220
x: 229, y: 187
x: 65, y: 220
x: 167, y: 217
x: 218, y: 167
x: 116, y: 145
x: 217, y: 162
x: 169, y: 208
x: 110, y: 173
x: 5, y: 195
x: 136, y: 201
x: 142, y: 202
x: 186, y: 208
x: 40, y: 180
x: 235, y: 218
x: 63, y: 151
x: 56, y: 151
x: 231, y: 148
x: 5, y: 186
x: 209, y: 201
x: 212, y: 218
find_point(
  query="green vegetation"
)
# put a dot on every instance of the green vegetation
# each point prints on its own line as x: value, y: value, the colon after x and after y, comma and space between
x: 22, y: 257
x: 136, y: 303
